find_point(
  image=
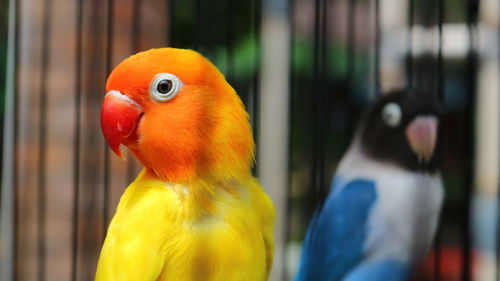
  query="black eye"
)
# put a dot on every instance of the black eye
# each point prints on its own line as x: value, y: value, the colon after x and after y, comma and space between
x: 164, y: 86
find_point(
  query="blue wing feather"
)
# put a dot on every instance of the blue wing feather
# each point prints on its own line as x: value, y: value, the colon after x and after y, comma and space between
x: 335, y: 239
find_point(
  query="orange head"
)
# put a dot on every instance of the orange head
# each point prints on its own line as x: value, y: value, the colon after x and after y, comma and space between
x: 178, y: 115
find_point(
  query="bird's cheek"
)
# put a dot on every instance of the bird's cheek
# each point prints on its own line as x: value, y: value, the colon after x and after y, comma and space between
x: 120, y: 116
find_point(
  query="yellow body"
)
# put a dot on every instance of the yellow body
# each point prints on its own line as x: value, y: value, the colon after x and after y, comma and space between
x: 170, y: 232
x: 195, y: 213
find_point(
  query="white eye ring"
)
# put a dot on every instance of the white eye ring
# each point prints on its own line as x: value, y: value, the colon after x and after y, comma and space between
x: 170, y: 89
x: 391, y: 114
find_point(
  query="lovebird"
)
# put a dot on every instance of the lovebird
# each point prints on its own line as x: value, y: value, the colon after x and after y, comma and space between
x: 194, y: 212
x: 381, y: 214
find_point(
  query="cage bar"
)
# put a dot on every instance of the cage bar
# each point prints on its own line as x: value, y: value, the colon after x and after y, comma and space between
x: 76, y: 140
x: 9, y: 197
x: 42, y: 141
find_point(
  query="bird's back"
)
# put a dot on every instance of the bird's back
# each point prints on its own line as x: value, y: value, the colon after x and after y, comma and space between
x: 151, y: 237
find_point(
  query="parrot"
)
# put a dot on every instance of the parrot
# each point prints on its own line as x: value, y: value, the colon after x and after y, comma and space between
x: 381, y: 214
x: 194, y: 212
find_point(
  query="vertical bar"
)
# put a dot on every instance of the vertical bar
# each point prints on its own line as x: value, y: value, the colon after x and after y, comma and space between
x: 274, y: 117
x: 471, y: 68
x: 256, y: 12
x: 317, y: 169
x: 76, y: 140
x: 42, y: 141
x: 207, y: 9
x: 409, y: 69
x: 230, y: 37
x: 94, y: 50
x: 351, y: 43
x: 497, y: 235
x: 377, y: 48
x: 314, y: 110
x: 136, y: 47
x: 172, y: 40
x: 107, y: 162
x: 323, y: 45
x: 199, y: 24
x: 135, y: 37
x: 8, y: 214
x: 203, y: 40
x: 440, y: 70
x: 441, y: 98
x: 289, y: 222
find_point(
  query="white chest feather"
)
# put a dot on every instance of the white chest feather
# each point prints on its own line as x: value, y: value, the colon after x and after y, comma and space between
x: 403, y: 220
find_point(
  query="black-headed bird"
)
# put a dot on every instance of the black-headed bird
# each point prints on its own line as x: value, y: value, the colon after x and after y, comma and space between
x: 382, y: 211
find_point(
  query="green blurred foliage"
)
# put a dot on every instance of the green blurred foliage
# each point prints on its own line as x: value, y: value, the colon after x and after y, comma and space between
x: 225, y: 31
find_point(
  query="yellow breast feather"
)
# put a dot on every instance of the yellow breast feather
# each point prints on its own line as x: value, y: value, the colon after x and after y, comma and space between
x: 155, y: 235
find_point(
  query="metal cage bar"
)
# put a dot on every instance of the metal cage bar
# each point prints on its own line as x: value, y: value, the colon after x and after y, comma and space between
x: 351, y: 42
x: 471, y: 74
x: 441, y: 98
x: 376, y: 73
x: 9, y: 197
x: 42, y: 141
x: 76, y: 140
x: 107, y: 162
x: 317, y: 167
x: 411, y: 20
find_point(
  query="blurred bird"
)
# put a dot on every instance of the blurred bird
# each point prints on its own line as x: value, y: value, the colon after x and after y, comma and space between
x: 381, y: 214
x: 194, y: 212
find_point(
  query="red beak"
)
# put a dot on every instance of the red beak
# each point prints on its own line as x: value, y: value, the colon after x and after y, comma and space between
x: 119, y: 118
x: 422, y: 136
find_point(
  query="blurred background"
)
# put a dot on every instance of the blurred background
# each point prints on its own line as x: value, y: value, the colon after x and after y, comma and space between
x: 305, y: 70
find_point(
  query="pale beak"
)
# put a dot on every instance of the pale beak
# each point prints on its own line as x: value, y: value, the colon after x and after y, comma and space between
x: 422, y: 136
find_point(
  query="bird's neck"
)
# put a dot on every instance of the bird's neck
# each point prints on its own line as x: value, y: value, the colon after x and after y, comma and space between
x: 200, y: 197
